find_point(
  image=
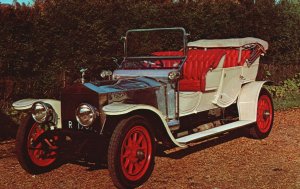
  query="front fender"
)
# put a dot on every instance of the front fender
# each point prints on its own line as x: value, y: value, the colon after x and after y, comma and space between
x: 26, y: 104
x: 122, y: 109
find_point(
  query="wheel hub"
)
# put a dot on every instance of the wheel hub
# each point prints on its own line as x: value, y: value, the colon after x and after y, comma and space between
x: 140, y: 155
x: 266, y: 114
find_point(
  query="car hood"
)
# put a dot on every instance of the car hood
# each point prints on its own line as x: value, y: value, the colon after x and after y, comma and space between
x: 124, y: 84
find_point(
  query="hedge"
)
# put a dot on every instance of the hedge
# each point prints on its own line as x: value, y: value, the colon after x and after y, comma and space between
x: 38, y: 43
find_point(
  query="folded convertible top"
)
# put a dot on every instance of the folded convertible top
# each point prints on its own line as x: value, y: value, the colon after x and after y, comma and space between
x: 234, y: 42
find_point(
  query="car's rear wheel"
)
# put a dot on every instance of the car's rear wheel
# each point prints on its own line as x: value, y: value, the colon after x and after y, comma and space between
x: 265, y: 116
x: 35, y: 158
x: 131, y: 152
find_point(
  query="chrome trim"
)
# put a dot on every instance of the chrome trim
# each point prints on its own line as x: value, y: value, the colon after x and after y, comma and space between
x: 94, y: 112
x: 161, y: 74
x: 49, y: 112
x: 82, y: 71
x: 166, y: 101
x: 102, y: 117
x: 124, y: 85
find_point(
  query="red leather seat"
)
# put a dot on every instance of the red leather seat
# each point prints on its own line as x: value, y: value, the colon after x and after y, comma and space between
x: 168, y: 63
x: 198, y: 63
x: 232, y: 57
x: 245, y: 56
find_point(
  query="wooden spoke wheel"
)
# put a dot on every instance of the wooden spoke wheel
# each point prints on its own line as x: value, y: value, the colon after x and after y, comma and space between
x: 35, y: 158
x: 131, y: 153
x: 265, y: 116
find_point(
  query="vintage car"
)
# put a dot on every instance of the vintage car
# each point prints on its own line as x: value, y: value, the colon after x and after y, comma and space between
x: 166, y: 95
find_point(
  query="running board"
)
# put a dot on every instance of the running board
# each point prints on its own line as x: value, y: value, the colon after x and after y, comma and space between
x: 213, y: 131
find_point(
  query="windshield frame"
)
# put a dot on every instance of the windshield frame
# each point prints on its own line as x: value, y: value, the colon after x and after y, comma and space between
x: 184, y: 42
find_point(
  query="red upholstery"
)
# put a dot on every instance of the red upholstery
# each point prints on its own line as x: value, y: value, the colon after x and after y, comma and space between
x: 232, y: 57
x: 168, y: 63
x: 245, y: 55
x: 198, y: 63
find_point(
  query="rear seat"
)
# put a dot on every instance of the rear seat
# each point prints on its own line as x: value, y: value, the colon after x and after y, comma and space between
x: 245, y: 55
x: 232, y: 58
x: 198, y: 63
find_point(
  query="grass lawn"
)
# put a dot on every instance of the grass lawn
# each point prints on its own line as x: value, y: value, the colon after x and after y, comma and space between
x: 291, y: 101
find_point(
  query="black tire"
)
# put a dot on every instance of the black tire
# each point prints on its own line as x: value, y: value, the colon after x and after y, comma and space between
x: 265, y: 116
x: 124, y: 157
x: 26, y: 156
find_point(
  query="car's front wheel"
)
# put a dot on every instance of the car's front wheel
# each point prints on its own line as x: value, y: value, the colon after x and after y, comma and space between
x: 131, y: 152
x: 35, y: 157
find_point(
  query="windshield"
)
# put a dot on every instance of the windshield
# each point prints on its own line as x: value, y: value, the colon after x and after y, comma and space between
x: 154, y: 48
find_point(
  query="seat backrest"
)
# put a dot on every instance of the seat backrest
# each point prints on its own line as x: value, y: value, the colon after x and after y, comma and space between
x: 198, y: 63
x: 193, y: 62
x: 232, y: 57
x: 245, y: 55
x: 168, y: 63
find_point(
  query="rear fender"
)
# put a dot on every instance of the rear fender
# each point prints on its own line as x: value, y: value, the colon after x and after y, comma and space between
x: 123, y: 109
x: 26, y: 104
x: 248, y: 98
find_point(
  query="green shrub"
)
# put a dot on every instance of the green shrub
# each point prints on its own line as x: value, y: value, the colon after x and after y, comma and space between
x: 287, y: 88
x: 38, y: 43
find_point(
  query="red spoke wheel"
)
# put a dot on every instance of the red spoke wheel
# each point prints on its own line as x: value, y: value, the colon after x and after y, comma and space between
x: 35, y: 158
x: 36, y: 153
x: 136, y: 153
x: 264, y: 117
x: 131, y: 153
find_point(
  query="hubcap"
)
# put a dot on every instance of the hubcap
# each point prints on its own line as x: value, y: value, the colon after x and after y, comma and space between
x: 264, y: 113
x: 136, y: 153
